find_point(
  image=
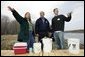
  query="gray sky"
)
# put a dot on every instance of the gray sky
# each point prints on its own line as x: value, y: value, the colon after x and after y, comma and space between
x: 34, y: 7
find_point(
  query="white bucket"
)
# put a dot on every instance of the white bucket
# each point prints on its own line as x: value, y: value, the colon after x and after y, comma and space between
x: 37, y: 47
x: 47, y: 44
x: 73, y: 45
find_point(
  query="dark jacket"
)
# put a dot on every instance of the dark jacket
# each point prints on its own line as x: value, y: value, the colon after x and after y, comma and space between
x: 42, y: 27
x: 59, y: 21
x: 23, y: 35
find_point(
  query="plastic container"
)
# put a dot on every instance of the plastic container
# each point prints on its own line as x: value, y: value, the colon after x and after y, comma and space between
x: 37, y: 47
x: 47, y: 44
x: 20, y: 48
x: 74, y: 45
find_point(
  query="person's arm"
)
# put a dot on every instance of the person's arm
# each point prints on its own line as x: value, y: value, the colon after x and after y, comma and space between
x: 48, y: 26
x: 68, y: 18
x: 16, y: 15
x: 52, y: 25
x: 36, y: 27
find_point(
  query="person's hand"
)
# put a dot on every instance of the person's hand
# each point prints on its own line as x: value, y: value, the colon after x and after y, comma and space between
x: 36, y: 38
x: 49, y: 34
x: 10, y: 8
x: 69, y: 13
x: 37, y: 35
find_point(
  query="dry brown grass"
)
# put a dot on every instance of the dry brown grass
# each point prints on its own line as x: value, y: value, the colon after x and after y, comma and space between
x: 7, y: 41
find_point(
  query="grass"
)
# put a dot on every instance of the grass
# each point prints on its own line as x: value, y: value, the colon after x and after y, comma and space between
x: 7, y: 42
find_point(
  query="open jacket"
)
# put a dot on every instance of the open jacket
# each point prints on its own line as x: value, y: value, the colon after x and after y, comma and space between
x: 23, y: 35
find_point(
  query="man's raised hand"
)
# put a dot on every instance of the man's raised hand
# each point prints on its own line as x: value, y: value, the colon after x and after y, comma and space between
x: 69, y: 14
x: 10, y: 8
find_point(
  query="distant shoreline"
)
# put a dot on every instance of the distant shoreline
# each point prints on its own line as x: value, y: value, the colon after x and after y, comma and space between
x: 74, y: 31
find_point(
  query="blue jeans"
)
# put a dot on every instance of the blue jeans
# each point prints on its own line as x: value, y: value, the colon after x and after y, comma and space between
x: 59, y: 39
x: 30, y: 41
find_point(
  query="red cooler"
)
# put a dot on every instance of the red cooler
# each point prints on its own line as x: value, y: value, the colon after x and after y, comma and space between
x: 20, y: 48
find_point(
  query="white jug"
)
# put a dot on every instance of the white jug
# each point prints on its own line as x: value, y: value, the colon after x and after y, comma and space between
x: 47, y: 44
x: 37, y: 47
x: 73, y: 45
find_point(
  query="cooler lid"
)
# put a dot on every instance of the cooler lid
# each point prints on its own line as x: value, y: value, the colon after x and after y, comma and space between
x: 20, y: 44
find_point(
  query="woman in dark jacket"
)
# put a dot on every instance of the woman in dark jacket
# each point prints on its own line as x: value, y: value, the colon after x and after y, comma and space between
x: 23, y: 35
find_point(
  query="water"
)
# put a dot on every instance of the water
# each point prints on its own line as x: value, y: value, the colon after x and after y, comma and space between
x: 75, y: 35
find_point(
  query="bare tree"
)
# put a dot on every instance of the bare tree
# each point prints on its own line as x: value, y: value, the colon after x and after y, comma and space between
x: 9, y: 27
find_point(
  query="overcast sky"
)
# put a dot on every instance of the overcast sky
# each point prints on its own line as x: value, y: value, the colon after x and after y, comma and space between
x: 34, y: 7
